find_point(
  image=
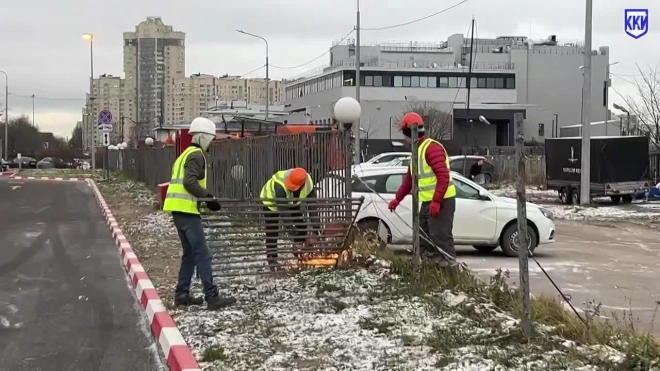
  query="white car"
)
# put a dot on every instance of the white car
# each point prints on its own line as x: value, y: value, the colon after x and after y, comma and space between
x: 482, y: 219
x: 385, y: 157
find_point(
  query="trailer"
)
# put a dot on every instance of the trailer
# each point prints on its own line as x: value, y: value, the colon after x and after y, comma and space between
x: 619, y: 167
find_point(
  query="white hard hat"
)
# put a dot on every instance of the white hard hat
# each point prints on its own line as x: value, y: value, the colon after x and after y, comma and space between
x: 202, y: 125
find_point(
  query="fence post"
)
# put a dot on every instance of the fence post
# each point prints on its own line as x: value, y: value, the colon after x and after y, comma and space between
x: 523, y: 267
x: 414, y: 157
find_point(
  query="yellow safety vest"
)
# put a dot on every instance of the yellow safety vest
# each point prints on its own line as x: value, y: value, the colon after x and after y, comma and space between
x: 427, y: 179
x: 178, y: 198
x: 268, y: 191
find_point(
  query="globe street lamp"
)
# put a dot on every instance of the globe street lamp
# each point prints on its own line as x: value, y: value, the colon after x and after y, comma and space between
x: 149, y: 142
x: 348, y: 110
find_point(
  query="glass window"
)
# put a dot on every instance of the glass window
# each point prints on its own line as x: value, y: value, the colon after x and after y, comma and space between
x: 423, y: 81
x: 541, y: 130
x: 359, y: 186
x: 433, y: 82
x: 464, y: 190
x: 499, y: 83
x: 453, y: 82
x: 461, y: 82
x: 406, y: 81
x: 481, y: 83
x: 368, y: 81
x: 473, y: 82
x: 398, y: 81
x: 378, y: 80
x: 443, y: 82
x: 456, y: 165
x: 490, y: 83
x: 414, y: 81
x: 387, y: 81
x: 510, y: 83
x: 393, y: 183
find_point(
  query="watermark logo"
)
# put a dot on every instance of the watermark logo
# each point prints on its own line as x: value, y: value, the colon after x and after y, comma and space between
x: 636, y: 22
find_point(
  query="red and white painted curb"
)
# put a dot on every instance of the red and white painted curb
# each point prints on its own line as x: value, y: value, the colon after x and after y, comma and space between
x: 49, y: 178
x: 178, y: 354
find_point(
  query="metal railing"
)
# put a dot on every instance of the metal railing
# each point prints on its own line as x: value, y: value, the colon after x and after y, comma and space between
x: 246, y: 238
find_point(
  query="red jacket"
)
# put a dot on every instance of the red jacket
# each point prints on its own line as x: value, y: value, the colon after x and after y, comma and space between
x: 436, y: 157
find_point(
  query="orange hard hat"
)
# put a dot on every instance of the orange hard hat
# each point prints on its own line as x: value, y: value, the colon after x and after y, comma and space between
x: 295, y: 179
x: 411, y: 119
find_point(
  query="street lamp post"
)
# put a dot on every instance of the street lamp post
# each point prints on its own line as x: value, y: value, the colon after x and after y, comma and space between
x: 267, y: 68
x: 616, y: 106
x: 6, y: 115
x: 585, y: 169
x: 93, y: 126
x: 358, y: 60
x: 347, y: 111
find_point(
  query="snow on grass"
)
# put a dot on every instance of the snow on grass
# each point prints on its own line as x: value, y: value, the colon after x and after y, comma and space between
x: 357, y: 320
x: 604, y: 211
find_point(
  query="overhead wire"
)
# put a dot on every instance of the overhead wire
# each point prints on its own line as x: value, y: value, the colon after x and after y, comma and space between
x: 414, y: 20
x: 317, y: 58
x: 253, y: 71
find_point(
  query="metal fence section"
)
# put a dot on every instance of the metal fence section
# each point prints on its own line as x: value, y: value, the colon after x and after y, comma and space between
x: 239, y: 168
x: 506, y: 168
x: 149, y: 165
x: 246, y: 238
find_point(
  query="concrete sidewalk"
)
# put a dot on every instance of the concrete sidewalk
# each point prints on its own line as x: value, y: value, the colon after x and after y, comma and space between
x: 65, y: 302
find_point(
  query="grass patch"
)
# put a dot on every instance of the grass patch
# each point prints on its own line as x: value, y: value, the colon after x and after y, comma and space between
x: 214, y: 353
x: 641, y: 349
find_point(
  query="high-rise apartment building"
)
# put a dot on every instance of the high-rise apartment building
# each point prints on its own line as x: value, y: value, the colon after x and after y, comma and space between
x: 153, y: 55
x: 190, y: 96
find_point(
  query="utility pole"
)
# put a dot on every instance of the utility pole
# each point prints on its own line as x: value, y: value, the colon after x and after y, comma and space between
x: 585, y: 170
x: 93, y: 123
x: 6, y: 115
x: 356, y: 124
x: 523, y: 266
x: 414, y: 172
x: 33, y: 110
x: 469, y: 88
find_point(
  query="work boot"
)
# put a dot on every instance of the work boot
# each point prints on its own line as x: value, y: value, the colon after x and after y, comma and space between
x: 188, y: 300
x: 217, y: 302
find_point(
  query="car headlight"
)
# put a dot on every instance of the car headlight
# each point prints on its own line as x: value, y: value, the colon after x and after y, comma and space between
x: 546, y: 213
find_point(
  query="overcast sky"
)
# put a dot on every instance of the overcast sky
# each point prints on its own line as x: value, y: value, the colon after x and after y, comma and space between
x: 42, y: 50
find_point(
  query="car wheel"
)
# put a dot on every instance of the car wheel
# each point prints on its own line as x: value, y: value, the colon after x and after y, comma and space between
x: 564, y: 196
x: 615, y: 199
x: 509, y: 240
x: 485, y: 248
x: 368, y: 229
x: 627, y: 198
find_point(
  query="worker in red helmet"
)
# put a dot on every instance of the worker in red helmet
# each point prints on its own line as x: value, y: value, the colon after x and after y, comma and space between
x: 437, y: 191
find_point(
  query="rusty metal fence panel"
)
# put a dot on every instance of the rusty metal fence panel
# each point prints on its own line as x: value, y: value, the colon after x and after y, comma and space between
x: 239, y: 168
x: 149, y: 165
x: 248, y: 239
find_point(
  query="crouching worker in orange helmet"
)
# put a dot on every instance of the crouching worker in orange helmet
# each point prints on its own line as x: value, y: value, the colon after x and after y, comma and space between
x: 436, y: 191
x: 281, y: 196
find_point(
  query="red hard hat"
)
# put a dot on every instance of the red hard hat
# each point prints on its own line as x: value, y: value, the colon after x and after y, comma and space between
x: 412, y: 119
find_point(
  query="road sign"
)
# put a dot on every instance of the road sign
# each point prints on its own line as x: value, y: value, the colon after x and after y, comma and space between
x: 105, y: 117
x: 105, y: 128
x: 106, y: 139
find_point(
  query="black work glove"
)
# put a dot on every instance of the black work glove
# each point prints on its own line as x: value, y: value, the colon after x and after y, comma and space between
x: 213, y: 205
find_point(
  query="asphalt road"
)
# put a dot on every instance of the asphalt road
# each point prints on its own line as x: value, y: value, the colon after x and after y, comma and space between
x: 616, y: 264
x: 65, y: 303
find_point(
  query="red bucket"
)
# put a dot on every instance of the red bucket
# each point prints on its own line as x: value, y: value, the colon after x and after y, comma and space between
x: 162, y: 192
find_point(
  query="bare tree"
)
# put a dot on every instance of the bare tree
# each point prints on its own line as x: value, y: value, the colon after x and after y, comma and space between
x: 437, y: 123
x: 645, y: 104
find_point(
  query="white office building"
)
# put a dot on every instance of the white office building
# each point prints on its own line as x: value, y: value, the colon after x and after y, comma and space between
x: 542, y: 80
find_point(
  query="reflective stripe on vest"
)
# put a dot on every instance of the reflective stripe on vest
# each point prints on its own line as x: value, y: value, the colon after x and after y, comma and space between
x: 178, y: 198
x: 268, y: 190
x: 427, y: 180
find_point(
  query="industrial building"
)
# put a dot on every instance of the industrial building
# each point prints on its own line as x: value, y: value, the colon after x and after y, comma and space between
x: 541, y: 79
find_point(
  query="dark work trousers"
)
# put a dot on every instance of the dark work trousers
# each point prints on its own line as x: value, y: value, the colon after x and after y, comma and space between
x: 293, y: 223
x: 439, y: 228
x: 196, y: 254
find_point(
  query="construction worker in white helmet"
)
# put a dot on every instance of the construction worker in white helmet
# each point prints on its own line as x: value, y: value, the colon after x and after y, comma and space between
x: 187, y: 186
